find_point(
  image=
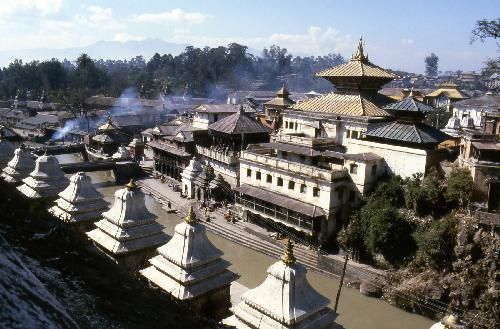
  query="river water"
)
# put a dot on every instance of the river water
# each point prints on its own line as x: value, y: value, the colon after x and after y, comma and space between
x: 355, y: 311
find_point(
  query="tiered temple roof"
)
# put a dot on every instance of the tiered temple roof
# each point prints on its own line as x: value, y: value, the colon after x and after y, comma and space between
x: 281, y: 99
x: 128, y: 226
x: 20, y: 166
x: 449, y: 89
x: 284, y: 300
x: 237, y: 124
x: 79, y: 202
x: 46, y: 181
x: 189, y: 265
x: 357, y: 83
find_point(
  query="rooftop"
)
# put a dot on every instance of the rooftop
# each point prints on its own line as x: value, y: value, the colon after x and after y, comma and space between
x: 414, y: 133
x: 238, y: 123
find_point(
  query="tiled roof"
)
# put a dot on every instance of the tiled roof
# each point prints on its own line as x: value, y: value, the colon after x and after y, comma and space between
x: 351, y: 104
x: 223, y: 108
x: 482, y: 101
x: 356, y: 68
x: 449, y: 90
x: 279, y: 101
x: 169, y: 149
x: 415, y: 133
x: 238, y: 123
x: 410, y: 104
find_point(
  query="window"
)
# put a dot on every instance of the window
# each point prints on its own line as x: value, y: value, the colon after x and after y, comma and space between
x: 249, y: 173
x: 269, y: 178
x: 257, y: 175
x: 279, y: 182
x: 291, y: 185
x: 296, y: 125
x: 216, y: 117
x: 284, y: 154
x: 348, y: 134
x: 286, y: 124
x: 315, y: 191
x: 353, y: 168
x: 303, y: 188
x: 374, y: 170
x: 302, y: 158
x: 354, y: 135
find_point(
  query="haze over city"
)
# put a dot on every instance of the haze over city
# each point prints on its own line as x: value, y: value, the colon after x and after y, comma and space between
x: 398, y: 35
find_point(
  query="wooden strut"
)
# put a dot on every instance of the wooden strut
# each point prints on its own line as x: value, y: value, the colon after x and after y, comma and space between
x: 346, y: 258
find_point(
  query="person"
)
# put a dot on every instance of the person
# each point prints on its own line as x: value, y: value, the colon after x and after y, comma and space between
x: 169, y: 205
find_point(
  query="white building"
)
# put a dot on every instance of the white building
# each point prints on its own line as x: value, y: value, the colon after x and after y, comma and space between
x: 206, y: 114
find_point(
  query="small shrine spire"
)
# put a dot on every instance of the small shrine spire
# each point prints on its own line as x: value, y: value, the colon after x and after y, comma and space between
x: 131, y: 185
x: 288, y: 258
x: 191, y: 216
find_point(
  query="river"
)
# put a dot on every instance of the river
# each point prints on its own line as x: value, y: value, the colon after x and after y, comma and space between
x: 355, y: 311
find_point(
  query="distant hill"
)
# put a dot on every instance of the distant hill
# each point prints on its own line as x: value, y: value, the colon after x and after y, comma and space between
x: 97, y: 50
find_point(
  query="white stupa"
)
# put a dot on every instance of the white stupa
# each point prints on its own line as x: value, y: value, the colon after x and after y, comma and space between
x: 20, y: 166
x: 80, y: 202
x: 188, y: 176
x: 448, y: 322
x: 128, y: 228
x: 121, y: 154
x: 6, y: 152
x: 284, y: 300
x: 191, y: 269
x: 46, y: 181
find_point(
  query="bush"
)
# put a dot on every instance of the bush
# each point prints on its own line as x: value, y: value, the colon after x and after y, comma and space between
x: 459, y: 187
x: 435, y: 242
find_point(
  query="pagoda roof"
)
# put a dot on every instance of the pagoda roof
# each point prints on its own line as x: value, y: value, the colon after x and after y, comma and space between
x: 449, y: 89
x: 280, y: 101
x: 109, y: 125
x: 411, y: 104
x: 238, y: 123
x: 343, y: 103
x: 414, y: 133
x: 358, y: 66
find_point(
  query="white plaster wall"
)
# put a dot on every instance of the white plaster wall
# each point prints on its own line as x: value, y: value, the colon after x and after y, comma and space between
x: 403, y: 161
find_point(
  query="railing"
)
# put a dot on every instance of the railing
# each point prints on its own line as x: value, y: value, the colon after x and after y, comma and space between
x: 294, y: 167
x: 218, y: 155
x: 305, y: 141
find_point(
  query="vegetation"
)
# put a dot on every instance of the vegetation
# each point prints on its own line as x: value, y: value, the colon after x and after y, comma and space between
x: 207, y: 72
x: 486, y: 29
x: 431, y: 65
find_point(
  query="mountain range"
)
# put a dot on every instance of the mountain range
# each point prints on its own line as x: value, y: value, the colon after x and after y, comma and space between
x: 98, y: 50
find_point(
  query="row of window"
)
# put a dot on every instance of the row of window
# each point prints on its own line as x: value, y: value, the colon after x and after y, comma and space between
x: 279, y: 182
x: 291, y: 125
x: 353, y: 169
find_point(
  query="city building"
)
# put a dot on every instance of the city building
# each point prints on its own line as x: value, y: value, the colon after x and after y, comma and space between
x: 445, y: 95
x: 284, y: 300
x: 191, y: 270
x: 206, y: 114
x: 481, y: 109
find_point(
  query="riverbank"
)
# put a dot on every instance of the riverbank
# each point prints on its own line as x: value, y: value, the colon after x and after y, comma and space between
x: 95, y: 292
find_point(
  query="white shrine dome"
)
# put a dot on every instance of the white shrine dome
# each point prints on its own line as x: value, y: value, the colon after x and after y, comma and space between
x: 453, y: 123
x: 47, y: 166
x: 467, y: 122
x: 121, y: 153
x: 80, y: 189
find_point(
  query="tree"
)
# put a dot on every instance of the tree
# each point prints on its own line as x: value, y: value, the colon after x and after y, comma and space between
x: 459, y: 186
x: 431, y: 65
x: 485, y: 29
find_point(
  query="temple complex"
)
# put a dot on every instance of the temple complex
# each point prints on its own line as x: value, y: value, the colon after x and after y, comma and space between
x: 108, y: 138
x: 284, y: 300
x: 80, y: 203
x: 275, y: 107
x: 46, y: 181
x: 20, y: 166
x: 128, y: 232
x: 191, y: 270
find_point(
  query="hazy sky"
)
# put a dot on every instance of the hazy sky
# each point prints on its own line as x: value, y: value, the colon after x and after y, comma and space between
x: 397, y: 34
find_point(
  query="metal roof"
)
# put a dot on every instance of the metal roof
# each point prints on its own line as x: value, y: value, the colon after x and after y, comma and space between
x: 410, y: 103
x: 169, y: 149
x: 281, y: 200
x: 238, y: 123
x: 223, y: 108
x: 343, y: 103
x: 415, y: 133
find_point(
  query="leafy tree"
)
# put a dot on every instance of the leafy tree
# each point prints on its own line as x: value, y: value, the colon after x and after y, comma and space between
x: 431, y: 65
x: 459, y: 186
x: 485, y: 29
x: 435, y: 241
x: 391, y: 190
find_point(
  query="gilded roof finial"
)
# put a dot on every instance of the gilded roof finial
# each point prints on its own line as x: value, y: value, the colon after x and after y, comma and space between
x: 359, y: 55
x: 191, y: 216
x: 131, y: 185
x: 288, y: 258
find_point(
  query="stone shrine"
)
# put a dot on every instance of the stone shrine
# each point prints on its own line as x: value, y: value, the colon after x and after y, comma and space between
x: 128, y: 233
x: 284, y: 300
x: 80, y: 203
x: 46, y: 181
x: 191, y: 270
x: 20, y: 166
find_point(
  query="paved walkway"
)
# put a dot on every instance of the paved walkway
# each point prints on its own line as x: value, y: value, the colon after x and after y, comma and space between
x: 254, y: 236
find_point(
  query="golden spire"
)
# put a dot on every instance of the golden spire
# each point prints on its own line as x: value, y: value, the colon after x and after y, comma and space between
x: 360, y: 55
x: 191, y: 216
x: 288, y: 258
x: 131, y: 185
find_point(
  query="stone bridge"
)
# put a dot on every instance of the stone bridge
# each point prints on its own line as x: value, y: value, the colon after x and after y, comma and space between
x: 122, y: 170
x: 63, y: 149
